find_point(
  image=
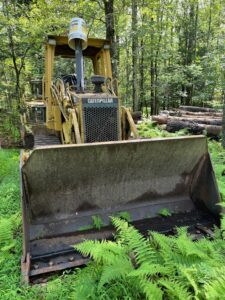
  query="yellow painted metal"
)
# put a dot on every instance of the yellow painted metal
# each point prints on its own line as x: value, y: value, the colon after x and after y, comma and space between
x: 102, y: 63
x: 49, y: 57
x: 101, y: 66
x: 76, y: 127
x: 92, y: 42
x: 57, y: 118
x: 67, y: 126
x: 123, y: 123
x: 131, y: 122
x: 80, y: 108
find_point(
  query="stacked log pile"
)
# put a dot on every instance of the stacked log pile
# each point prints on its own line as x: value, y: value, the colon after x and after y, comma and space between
x: 195, y: 119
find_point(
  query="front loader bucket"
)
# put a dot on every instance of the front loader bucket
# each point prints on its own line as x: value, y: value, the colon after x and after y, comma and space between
x: 64, y: 187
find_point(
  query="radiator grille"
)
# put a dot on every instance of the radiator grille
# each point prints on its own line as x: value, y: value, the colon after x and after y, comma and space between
x: 101, y: 122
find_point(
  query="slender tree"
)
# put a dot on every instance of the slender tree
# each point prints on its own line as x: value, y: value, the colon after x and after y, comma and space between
x: 134, y: 54
x: 110, y: 33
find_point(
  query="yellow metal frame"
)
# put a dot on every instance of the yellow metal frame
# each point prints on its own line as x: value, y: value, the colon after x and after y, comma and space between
x: 101, y: 65
x: 98, y: 50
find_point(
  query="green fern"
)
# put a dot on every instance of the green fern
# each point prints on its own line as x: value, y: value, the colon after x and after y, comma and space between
x: 223, y: 226
x: 97, y: 222
x: 175, y: 290
x: 156, y: 267
x: 216, y: 289
x: 117, y: 270
x: 135, y: 242
x: 6, y: 235
x: 149, y: 270
x: 124, y: 215
x: 151, y: 290
x: 102, y: 251
x: 85, y: 286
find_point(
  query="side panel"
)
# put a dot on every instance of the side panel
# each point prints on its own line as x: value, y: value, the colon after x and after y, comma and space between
x: 102, y: 63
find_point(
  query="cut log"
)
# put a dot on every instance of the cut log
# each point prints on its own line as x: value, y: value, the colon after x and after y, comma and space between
x: 197, y: 109
x: 161, y: 119
x: 213, y: 130
x: 182, y: 113
x: 174, y: 124
x: 200, y: 114
x: 170, y: 113
x: 194, y: 128
x: 217, y: 122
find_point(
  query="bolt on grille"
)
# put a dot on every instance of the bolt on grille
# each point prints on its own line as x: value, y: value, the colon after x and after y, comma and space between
x: 100, y: 123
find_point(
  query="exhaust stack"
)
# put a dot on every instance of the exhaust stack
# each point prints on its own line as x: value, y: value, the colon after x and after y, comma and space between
x: 78, y: 42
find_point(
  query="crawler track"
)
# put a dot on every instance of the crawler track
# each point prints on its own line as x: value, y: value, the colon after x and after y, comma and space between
x: 44, y: 140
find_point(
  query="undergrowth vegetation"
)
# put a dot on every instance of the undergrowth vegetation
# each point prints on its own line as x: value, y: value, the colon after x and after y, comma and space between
x: 131, y: 267
x: 149, y: 129
x: 9, y: 130
x: 156, y: 267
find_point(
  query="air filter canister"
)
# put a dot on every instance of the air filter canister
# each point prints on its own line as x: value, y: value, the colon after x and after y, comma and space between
x: 78, y: 30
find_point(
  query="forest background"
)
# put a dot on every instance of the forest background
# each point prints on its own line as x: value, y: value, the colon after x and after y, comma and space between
x: 164, y: 52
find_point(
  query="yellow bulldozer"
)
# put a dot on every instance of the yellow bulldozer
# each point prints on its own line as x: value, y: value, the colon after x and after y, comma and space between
x: 88, y: 164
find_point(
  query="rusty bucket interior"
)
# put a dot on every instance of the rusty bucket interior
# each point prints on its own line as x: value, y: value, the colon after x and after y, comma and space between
x: 65, y: 186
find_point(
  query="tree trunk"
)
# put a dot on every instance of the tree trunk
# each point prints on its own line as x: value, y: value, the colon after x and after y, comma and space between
x: 223, y: 122
x: 152, y: 71
x: 141, y: 70
x: 134, y: 54
x: 17, y: 86
x: 209, y: 23
x: 127, y: 74
x: 110, y: 33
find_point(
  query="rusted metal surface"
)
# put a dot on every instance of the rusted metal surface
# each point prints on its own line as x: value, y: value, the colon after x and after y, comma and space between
x: 43, y: 140
x: 43, y: 265
x: 59, y: 267
x: 65, y: 186
x: 25, y: 268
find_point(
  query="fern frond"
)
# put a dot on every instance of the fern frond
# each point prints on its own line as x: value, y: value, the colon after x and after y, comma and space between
x: 174, y: 260
x: 161, y: 241
x: 85, y: 286
x: 187, y: 247
x: 216, y: 289
x: 147, y: 269
x: 175, y: 290
x: 6, y: 235
x: 151, y: 290
x: 212, y: 249
x: 134, y: 241
x: 118, y: 269
x: 182, y: 232
x: 219, y: 246
x: 102, y: 251
x: 222, y: 226
x: 190, y: 279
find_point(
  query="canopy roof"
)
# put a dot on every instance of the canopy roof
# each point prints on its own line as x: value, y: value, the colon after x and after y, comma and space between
x: 62, y: 48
